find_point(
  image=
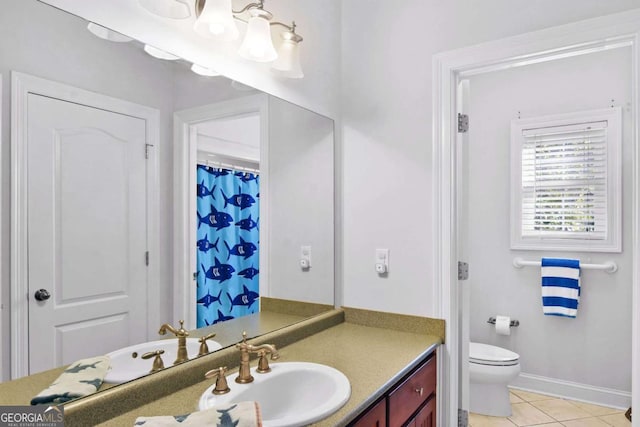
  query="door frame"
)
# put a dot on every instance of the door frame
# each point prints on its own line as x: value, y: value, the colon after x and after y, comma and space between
x: 184, y: 195
x: 583, y: 37
x: 21, y: 86
x: 4, y: 352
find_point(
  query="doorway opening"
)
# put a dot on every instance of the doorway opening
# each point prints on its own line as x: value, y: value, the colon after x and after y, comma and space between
x: 208, y: 147
x: 611, y: 33
x: 228, y: 218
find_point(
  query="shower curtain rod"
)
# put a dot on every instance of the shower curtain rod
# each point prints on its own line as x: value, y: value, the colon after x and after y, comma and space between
x: 225, y: 165
x: 609, y: 266
x: 227, y: 162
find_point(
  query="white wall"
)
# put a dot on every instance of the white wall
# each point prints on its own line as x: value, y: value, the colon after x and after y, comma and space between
x: 238, y: 137
x: 300, y: 178
x: 386, y: 129
x: 40, y: 40
x: 578, y: 350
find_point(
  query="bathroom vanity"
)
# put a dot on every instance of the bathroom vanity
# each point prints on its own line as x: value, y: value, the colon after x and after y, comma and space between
x: 386, y: 358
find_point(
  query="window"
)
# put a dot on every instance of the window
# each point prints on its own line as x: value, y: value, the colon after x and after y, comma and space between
x: 566, y: 182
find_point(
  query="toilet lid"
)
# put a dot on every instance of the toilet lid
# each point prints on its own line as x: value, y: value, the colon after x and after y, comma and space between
x: 486, y: 354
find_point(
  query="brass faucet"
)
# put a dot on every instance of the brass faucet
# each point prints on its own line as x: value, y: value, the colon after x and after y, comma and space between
x: 244, y: 375
x: 182, y: 335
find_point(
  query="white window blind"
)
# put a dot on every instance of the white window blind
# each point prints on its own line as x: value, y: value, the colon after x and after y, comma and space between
x: 564, y: 181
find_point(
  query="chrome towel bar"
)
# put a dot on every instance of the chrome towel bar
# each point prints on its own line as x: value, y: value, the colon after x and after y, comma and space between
x: 609, y: 266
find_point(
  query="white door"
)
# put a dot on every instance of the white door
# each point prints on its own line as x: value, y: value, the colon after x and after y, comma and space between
x: 87, y: 232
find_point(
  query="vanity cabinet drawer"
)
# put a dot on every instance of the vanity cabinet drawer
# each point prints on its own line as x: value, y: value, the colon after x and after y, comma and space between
x: 412, y: 393
x: 374, y: 417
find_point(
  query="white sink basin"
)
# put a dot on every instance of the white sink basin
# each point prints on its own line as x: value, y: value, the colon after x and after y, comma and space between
x: 124, y: 367
x: 293, y: 394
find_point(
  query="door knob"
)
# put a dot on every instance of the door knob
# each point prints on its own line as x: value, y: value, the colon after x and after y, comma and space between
x: 42, y: 295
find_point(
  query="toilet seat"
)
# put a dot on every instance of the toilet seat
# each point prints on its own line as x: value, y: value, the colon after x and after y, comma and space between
x: 485, y: 354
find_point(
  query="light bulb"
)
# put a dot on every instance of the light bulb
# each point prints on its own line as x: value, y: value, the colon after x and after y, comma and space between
x: 216, y: 28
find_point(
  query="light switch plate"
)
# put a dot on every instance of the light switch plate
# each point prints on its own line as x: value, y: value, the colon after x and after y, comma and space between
x: 382, y: 261
x: 305, y: 257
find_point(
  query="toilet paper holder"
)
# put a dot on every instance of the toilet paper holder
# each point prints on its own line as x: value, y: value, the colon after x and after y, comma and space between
x: 512, y: 324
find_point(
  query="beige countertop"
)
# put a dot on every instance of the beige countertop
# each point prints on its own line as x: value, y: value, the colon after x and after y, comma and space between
x: 373, y: 358
x: 20, y: 391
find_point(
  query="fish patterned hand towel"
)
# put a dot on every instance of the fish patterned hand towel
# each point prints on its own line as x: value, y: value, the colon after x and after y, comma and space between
x: 560, y: 286
x: 241, y: 414
x: 80, y: 379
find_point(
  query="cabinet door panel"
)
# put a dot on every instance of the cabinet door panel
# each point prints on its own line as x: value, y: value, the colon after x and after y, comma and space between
x: 427, y: 415
x: 375, y: 417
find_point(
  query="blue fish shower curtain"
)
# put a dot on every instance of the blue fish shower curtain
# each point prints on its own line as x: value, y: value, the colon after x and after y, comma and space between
x: 228, y: 241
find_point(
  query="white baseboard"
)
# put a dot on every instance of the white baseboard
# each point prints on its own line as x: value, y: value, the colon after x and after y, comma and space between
x: 574, y: 391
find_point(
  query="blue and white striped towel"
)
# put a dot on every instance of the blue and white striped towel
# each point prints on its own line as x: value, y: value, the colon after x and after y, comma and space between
x: 560, y: 286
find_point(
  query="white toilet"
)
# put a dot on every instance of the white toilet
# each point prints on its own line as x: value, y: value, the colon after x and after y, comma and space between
x: 491, y: 369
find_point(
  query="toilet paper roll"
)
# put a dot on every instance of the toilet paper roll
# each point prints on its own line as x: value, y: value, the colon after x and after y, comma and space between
x: 503, y: 325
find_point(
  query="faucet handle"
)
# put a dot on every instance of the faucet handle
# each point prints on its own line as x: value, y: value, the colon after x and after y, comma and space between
x: 263, y: 362
x: 204, y: 348
x: 221, y: 380
x: 158, y: 364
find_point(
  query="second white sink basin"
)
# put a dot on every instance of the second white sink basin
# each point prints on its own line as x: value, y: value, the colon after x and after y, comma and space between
x: 124, y: 367
x: 293, y: 394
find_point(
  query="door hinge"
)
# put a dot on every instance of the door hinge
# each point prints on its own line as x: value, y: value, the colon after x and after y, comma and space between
x: 463, y: 418
x: 146, y: 150
x: 146, y: 258
x: 463, y: 123
x: 195, y: 275
x: 463, y: 270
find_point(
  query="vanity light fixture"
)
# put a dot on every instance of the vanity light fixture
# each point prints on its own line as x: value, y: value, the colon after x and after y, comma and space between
x: 204, y: 71
x: 159, y: 53
x: 174, y: 9
x: 107, y: 34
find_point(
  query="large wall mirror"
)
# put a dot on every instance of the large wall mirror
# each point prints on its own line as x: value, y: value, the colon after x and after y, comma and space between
x: 276, y: 198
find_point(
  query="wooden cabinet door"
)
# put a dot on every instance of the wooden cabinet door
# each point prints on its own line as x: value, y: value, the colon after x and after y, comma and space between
x: 412, y: 393
x: 375, y: 417
x: 426, y: 417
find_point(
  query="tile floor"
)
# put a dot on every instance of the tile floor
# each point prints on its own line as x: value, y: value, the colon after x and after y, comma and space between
x: 537, y: 410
